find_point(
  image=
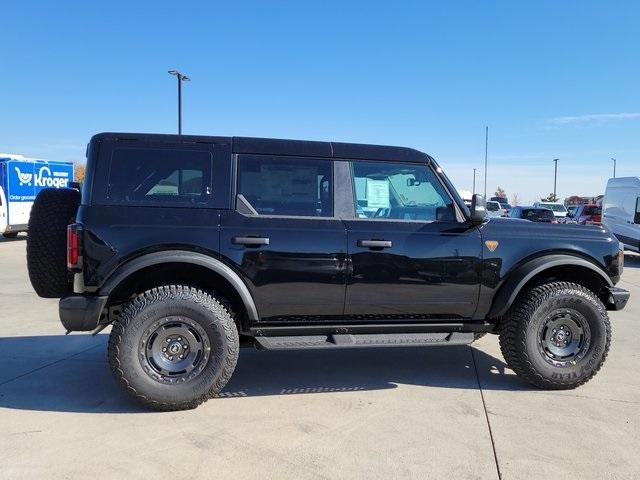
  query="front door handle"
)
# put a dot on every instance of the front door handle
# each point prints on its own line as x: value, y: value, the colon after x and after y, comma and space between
x: 375, y: 243
x: 250, y: 241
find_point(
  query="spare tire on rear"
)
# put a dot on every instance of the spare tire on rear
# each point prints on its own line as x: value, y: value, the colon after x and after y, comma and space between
x: 53, y: 210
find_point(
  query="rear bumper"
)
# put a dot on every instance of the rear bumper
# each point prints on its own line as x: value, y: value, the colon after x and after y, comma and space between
x: 617, y: 298
x: 81, y: 312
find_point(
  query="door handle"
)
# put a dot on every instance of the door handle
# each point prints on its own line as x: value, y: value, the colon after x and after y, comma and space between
x: 250, y: 241
x: 375, y: 243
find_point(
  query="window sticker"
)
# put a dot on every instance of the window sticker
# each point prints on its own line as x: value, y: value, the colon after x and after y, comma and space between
x: 377, y: 193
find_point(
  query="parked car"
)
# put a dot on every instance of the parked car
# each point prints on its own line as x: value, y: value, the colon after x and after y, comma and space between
x: 558, y: 209
x: 570, y: 218
x: 494, y: 209
x: 191, y: 246
x: 533, y: 214
x: 621, y: 210
x: 588, y: 214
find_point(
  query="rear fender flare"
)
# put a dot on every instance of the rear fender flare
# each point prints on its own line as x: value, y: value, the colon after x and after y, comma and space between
x: 181, y: 256
x: 519, y: 277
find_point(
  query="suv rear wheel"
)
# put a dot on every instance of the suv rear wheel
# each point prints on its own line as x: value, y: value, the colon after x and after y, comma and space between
x: 556, y: 336
x: 173, y: 347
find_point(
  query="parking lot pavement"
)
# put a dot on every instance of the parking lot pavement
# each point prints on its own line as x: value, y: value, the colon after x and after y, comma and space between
x: 455, y: 412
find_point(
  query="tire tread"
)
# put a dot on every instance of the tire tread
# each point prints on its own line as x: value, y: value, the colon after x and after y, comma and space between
x: 513, y: 345
x: 171, y: 292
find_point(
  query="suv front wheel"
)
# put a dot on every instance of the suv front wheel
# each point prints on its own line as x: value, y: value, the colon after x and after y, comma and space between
x: 556, y: 335
x: 173, y: 347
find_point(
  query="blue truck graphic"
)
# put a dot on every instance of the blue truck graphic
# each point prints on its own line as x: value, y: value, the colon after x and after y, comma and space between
x: 21, y: 179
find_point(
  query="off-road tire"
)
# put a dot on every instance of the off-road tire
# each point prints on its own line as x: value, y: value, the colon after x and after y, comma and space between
x: 138, y: 316
x: 519, y: 335
x: 53, y: 210
x: 10, y: 235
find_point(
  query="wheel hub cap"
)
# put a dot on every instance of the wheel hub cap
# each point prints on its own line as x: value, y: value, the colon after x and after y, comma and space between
x: 564, y: 337
x: 174, y: 349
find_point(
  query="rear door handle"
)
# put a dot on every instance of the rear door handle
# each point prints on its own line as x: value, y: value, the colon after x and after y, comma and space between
x: 250, y: 241
x: 375, y: 243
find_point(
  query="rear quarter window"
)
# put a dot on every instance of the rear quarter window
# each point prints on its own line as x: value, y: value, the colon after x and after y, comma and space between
x: 146, y: 176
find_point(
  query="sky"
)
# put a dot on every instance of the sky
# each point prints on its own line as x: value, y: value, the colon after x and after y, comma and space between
x: 550, y: 79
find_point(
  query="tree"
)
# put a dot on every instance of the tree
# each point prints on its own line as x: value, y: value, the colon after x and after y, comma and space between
x: 500, y: 193
x: 515, y: 200
x: 79, y: 171
x: 550, y: 198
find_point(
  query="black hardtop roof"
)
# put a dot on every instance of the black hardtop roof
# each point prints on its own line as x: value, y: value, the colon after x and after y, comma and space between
x: 273, y: 146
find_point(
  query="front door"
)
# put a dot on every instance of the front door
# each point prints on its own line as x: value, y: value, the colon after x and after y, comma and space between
x: 411, y: 255
x: 284, y: 239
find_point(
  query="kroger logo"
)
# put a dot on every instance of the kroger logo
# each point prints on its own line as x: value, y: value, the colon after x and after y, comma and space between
x: 44, y: 178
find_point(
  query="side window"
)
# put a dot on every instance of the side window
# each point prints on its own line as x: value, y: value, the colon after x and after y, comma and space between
x: 636, y: 217
x: 139, y: 175
x: 386, y: 190
x: 286, y: 185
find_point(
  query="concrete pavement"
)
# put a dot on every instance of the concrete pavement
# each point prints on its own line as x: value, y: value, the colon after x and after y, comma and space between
x: 455, y: 412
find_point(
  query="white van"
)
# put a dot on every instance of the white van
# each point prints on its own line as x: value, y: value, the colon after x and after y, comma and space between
x: 621, y: 210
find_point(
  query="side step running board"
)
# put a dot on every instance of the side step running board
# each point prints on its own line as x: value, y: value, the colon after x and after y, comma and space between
x: 363, y: 340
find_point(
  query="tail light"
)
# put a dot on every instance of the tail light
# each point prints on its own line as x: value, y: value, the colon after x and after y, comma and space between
x: 73, y: 247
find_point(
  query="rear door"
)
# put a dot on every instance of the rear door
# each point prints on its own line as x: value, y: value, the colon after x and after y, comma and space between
x: 411, y: 257
x: 3, y: 211
x: 284, y: 238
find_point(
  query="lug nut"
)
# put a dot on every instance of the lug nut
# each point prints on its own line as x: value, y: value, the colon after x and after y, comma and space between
x: 179, y: 339
x: 181, y: 356
x: 164, y: 349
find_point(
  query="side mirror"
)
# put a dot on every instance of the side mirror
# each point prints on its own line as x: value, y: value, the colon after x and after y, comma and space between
x: 478, y: 209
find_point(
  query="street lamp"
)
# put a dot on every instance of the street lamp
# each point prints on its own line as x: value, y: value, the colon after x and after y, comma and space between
x: 555, y: 178
x: 614, y: 167
x: 486, y: 149
x: 180, y: 78
x: 474, y: 181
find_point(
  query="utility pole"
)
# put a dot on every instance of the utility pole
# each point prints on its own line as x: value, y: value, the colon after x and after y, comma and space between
x: 555, y: 178
x: 474, y: 181
x: 486, y: 149
x: 614, y: 167
x: 180, y: 78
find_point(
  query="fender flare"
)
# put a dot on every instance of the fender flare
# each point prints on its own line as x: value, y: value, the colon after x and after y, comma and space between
x: 180, y: 256
x: 519, y: 277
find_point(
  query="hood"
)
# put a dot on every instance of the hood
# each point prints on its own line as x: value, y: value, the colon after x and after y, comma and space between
x: 518, y: 239
x: 544, y: 231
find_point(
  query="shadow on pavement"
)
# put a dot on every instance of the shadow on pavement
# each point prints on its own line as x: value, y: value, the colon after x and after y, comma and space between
x: 631, y: 260
x: 83, y: 382
x: 19, y: 238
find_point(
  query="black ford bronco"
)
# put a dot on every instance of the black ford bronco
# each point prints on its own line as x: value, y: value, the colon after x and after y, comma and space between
x: 190, y: 246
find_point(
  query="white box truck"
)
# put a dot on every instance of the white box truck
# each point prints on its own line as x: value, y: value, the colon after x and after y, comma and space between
x: 621, y: 210
x: 21, y: 179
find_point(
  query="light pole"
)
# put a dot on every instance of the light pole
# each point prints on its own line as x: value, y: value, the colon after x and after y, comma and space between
x: 614, y: 167
x: 486, y: 149
x: 555, y: 179
x: 474, y: 181
x: 180, y: 78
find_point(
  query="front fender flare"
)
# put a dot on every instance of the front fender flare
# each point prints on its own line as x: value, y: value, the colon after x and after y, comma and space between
x: 181, y: 256
x: 519, y: 277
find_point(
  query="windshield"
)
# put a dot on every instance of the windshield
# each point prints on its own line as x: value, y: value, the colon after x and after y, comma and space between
x: 493, y: 206
x: 592, y: 210
x: 553, y: 206
x: 537, y: 214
